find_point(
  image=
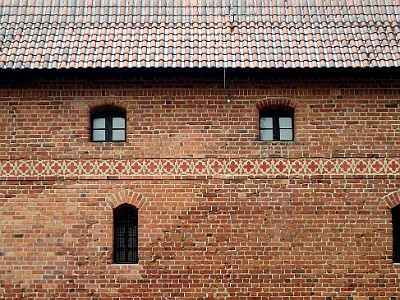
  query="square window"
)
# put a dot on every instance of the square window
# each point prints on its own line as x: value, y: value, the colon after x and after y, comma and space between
x: 277, y: 125
x: 108, y: 125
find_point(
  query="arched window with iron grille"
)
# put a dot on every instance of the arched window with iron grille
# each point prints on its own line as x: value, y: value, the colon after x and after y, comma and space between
x: 126, y: 234
x: 396, y: 233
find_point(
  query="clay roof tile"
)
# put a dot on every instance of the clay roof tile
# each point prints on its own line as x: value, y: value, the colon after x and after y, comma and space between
x: 252, y: 33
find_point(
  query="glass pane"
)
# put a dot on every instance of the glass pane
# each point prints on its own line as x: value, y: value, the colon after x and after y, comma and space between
x: 120, y: 255
x: 118, y: 122
x: 99, y: 135
x: 99, y: 123
x: 266, y: 135
x: 266, y: 122
x: 118, y: 135
x: 285, y: 122
x: 286, y: 134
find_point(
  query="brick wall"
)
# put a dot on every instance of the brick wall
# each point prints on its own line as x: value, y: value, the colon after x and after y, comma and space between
x: 221, y: 214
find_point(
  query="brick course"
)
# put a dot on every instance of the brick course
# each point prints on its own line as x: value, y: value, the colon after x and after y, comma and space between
x: 318, y: 228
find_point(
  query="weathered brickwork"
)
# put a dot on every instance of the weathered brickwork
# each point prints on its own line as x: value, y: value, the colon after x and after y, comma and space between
x: 222, y: 215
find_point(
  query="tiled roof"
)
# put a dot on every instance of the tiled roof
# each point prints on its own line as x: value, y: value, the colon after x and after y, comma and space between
x: 48, y: 34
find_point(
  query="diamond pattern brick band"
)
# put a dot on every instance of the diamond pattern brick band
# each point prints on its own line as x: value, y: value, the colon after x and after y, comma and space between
x: 182, y: 168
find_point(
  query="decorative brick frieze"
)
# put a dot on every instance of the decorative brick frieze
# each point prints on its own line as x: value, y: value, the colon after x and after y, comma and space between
x: 189, y: 168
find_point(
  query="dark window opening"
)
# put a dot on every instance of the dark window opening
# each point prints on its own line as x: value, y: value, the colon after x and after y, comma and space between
x: 277, y: 125
x: 396, y: 233
x: 126, y: 234
x: 108, y: 124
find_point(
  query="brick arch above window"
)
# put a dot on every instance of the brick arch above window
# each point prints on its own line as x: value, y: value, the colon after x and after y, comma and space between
x: 126, y: 196
x: 392, y: 199
x: 103, y: 104
x: 276, y: 103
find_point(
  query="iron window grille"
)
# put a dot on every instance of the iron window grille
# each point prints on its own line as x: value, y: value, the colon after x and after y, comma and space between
x: 108, y: 125
x: 126, y: 234
x: 396, y: 233
x: 277, y: 125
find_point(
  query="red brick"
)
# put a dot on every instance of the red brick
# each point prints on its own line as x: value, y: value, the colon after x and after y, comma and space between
x: 206, y: 235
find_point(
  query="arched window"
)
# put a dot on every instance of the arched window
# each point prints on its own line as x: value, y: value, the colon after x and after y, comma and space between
x: 108, y: 124
x: 277, y: 124
x: 396, y: 233
x: 126, y: 234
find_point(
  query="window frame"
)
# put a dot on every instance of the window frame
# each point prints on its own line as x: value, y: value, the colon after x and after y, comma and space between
x: 128, y: 252
x: 107, y: 113
x: 396, y: 233
x: 276, y: 114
